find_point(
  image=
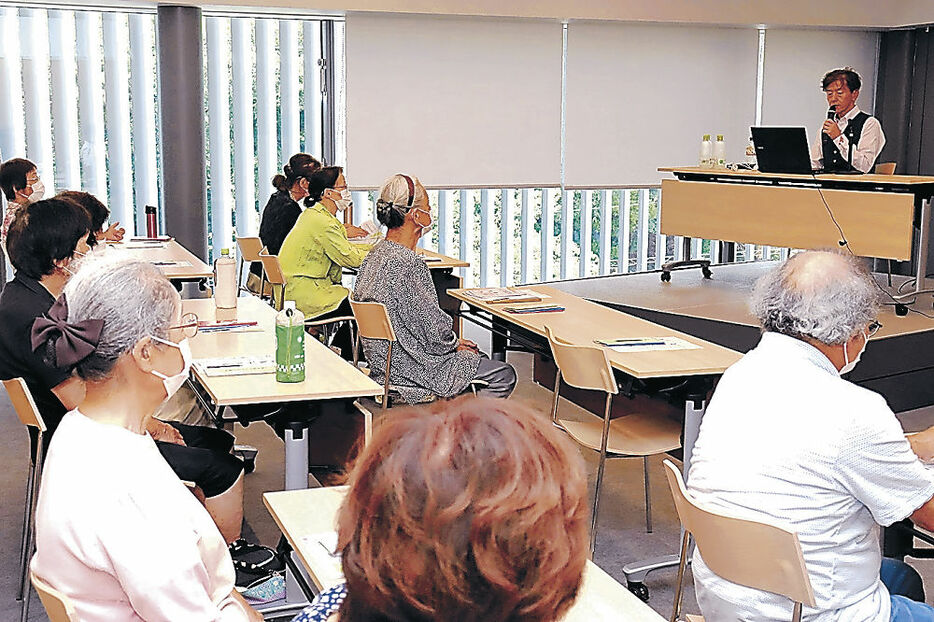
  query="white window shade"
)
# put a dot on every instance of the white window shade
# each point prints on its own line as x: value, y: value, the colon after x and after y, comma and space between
x: 795, y: 62
x: 458, y: 102
x: 641, y: 96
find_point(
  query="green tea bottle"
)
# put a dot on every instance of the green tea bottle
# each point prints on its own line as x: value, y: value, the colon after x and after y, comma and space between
x: 290, y: 344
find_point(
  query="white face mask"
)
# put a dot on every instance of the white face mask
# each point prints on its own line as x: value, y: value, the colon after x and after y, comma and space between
x: 174, y: 383
x: 345, y: 201
x: 38, y: 191
x: 848, y: 364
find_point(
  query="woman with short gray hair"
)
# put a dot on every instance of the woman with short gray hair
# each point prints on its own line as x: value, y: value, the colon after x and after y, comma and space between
x: 429, y: 359
x: 116, y: 529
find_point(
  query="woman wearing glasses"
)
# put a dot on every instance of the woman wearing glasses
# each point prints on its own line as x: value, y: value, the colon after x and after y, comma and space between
x: 317, y: 249
x: 116, y: 529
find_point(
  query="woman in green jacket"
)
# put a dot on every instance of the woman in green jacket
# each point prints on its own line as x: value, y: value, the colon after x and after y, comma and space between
x: 317, y: 249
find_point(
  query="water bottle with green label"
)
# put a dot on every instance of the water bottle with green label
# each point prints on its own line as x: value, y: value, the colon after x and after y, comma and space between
x: 290, y: 344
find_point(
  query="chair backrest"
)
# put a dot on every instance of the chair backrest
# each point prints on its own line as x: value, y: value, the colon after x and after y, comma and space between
x: 250, y: 248
x: 886, y: 168
x: 747, y: 552
x: 372, y: 320
x: 272, y: 267
x: 58, y: 606
x: 584, y: 367
x: 23, y: 403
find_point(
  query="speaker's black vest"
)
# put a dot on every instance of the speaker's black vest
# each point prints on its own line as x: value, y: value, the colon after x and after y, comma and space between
x: 834, y: 161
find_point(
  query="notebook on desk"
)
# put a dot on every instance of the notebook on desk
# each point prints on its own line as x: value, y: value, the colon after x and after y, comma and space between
x: 236, y: 365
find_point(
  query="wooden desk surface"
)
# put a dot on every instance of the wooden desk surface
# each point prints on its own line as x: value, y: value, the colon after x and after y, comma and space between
x: 583, y: 321
x: 312, y: 511
x: 444, y: 261
x: 908, y: 180
x: 170, y: 251
x: 327, y: 375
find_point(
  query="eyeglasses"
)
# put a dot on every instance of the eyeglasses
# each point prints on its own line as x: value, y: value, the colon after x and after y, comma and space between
x: 189, y: 325
x: 873, y: 328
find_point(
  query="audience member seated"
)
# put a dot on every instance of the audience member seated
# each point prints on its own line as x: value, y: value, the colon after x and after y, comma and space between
x: 99, y: 215
x: 283, y: 209
x: 44, y: 242
x: 787, y: 441
x: 428, y: 358
x: 21, y: 186
x: 472, y: 510
x: 316, y: 250
x: 116, y: 530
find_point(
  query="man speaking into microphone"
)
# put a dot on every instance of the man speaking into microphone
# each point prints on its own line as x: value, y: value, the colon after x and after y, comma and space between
x: 850, y: 140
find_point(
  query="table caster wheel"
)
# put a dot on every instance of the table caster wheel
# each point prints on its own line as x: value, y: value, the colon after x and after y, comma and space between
x: 666, y: 276
x: 706, y: 272
x: 638, y: 588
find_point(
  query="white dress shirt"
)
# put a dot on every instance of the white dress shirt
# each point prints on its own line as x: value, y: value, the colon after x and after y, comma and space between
x: 867, y: 149
x: 120, y: 535
x: 786, y: 441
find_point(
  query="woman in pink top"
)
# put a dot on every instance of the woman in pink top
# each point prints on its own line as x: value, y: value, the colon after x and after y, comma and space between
x: 116, y: 530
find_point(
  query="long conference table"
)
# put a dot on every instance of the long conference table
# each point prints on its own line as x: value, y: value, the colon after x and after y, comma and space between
x: 885, y: 216
x: 329, y: 379
x: 176, y: 262
x: 582, y: 322
x: 304, y: 513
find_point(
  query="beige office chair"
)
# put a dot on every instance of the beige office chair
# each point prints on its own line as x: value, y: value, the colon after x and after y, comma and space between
x: 272, y: 270
x: 373, y: 323
x: 250, y: 248
x: 638, y: 434
x: 885, y: 168
x: 58, y: 606
x: 747, y: 552
x: 29, y: 416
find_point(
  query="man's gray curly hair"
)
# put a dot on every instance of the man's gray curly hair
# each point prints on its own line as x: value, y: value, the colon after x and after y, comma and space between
x: 821, y: 295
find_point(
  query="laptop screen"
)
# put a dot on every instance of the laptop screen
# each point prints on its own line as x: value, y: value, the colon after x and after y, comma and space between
x: 782, y: 149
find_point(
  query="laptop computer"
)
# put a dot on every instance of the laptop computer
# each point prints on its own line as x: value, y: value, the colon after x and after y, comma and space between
x: 782, y: 149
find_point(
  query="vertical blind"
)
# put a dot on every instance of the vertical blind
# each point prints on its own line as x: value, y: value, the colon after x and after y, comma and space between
x: 79, y: 100
x: 263, y: 104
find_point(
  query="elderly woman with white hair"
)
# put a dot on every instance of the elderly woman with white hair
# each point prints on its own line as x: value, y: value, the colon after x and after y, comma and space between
x: 428, y: 358
x: 116, y: 530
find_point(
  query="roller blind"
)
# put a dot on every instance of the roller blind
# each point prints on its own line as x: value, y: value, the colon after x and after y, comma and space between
x: 795, y: 62
x: 457, y: 101
x: 641, y: 96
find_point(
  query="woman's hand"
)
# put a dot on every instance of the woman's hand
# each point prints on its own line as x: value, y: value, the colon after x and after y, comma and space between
x: 355, y: 232
x: 114, y: 233
x: 160, y: 431
x: 467, y: 344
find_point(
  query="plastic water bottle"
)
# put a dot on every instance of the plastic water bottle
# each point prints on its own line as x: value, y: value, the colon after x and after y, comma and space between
x: 225, y: 281
x: 290, y: 344
x: 751, y: 153
x: 706, y: 152
x: 719, y: 152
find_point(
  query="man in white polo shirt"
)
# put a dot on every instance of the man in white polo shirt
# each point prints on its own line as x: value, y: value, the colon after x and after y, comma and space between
x: 787, y: 441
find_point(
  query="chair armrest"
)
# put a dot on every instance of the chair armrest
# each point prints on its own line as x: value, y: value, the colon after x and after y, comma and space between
x: 330, y: 320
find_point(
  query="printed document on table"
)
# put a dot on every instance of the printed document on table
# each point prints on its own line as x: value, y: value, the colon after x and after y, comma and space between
x: 647, y: 344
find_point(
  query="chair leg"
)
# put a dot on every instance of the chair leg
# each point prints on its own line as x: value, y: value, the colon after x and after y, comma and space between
x: 796, y: 614
x: 386, y: 374
x: 554, y: 402
x: 240, y: 276
x: 600, y: 470
x: 679, y: 586
x: 648, y: 494
x: 24, y: 555
x: 30, y: 541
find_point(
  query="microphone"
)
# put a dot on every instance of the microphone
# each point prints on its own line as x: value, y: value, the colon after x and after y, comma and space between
x: 831, y: 113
